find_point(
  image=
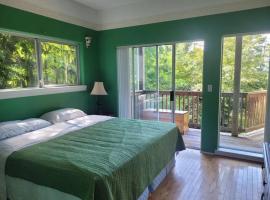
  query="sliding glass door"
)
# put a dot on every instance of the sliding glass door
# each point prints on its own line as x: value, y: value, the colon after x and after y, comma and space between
x: 166, y: 85
x: 145, y: 83
x: 152, y: 82
x: 188, y: 90
x: 245, y: 69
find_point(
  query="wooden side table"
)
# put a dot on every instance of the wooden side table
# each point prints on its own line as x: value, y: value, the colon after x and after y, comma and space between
x: 182, y: 120
x: 165, y: 115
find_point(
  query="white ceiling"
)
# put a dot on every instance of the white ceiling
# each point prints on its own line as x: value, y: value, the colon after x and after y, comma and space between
x: 108, y: 14
x: 107, y: 4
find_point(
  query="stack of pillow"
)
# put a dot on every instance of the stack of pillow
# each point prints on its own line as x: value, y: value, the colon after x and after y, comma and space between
x: 18, y: 127
x: 14, y: 128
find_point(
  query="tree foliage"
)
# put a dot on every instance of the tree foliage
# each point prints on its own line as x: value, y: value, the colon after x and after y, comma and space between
x: 18, y: 62
x: 254, y: 63
x: 59, y: 63
x: 188, y: 69
x: 189, y: 65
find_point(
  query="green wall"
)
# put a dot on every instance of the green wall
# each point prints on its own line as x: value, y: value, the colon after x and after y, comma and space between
x: 208, y: 28
x: 99, y: 61
x: 17, y: 20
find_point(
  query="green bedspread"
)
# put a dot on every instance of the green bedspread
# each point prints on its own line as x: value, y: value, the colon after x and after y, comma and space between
x: 112, y: 160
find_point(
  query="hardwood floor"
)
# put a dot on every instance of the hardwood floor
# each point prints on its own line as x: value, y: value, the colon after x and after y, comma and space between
x: 202, y: 177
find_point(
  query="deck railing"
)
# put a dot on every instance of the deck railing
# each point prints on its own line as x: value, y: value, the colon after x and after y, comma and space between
x: 251, y: 114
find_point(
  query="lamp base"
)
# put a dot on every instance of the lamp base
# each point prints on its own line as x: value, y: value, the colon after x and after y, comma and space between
x: 99, y: 108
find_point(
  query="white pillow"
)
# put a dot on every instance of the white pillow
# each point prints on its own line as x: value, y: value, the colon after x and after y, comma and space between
x: 33, y: 124
x: 14, y: 128
x: 9, y: 122
x: 62, y: 115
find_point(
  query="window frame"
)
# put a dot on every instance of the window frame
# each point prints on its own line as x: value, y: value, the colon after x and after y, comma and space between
x: 40, y: 67
x: 37, y: 41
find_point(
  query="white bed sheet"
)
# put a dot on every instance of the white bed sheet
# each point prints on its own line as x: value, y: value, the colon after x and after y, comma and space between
x: 8, y: 146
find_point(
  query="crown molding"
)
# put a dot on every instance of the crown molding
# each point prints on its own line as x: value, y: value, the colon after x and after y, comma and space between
x: 61, y: 16
x: 204, y: 11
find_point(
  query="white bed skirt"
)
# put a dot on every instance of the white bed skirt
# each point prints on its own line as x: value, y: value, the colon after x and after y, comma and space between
x: 156, y: 182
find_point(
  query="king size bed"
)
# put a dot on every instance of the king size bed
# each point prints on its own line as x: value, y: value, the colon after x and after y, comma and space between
x: 89, y: 157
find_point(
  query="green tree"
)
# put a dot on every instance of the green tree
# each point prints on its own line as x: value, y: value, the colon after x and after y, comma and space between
x: 150, y: 68
x: 17, y: 62
x: 165, y: 67
x: 59, y: 63
x: 188, y: 70
x: 189, y: 65
x: 255, y: 63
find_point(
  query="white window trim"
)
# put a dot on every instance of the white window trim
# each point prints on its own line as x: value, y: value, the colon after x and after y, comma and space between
x: 27, y: 92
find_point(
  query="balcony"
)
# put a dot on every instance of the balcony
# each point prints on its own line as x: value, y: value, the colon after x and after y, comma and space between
x: 248, y: 130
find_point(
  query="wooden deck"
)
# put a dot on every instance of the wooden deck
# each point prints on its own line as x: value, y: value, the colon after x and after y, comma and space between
x: 251, y: 141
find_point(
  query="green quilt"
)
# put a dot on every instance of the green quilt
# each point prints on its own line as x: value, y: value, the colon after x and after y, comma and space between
x: 111, y: 160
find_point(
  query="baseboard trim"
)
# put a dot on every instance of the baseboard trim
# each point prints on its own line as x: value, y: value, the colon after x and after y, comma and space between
x: 208, y: 153
x: 242, y: 155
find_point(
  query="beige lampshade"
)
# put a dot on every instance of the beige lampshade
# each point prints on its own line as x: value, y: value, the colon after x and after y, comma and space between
x: 98, y: 89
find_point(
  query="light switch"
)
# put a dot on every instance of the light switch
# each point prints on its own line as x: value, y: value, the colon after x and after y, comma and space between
x: 209, y: 88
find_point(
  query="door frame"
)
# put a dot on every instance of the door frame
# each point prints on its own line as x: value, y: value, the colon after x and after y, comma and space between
x: 173, y: 89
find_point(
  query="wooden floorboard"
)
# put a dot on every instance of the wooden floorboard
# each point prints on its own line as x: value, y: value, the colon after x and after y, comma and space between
x: 202, y: 177
x: 252, y: 141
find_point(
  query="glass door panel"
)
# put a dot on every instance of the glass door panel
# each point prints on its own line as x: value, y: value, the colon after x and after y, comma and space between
x: 152, y: 82
x: 165, y: 86
x: 188, y: 80
x: 145, y: 83
x: 226, y: 100
x: 244, y: 89
x: 188, y: 90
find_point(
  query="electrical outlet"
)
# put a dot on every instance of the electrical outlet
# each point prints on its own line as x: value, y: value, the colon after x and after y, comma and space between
x: 209, y: 88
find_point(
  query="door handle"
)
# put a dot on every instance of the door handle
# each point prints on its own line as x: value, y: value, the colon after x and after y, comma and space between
x: 171, y: 95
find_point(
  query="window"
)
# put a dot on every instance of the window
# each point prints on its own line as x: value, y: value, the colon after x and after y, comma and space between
x: 18, y: 64
x: 27, y: 62
x: 59, y: 63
